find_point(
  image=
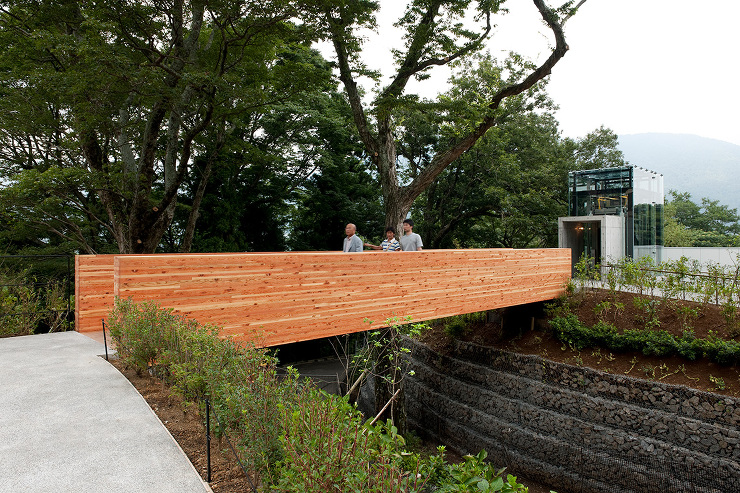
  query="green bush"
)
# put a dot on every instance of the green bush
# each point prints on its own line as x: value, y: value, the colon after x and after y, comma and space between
x: 570, y: 330
x: 28, y: 307
x: 140, y: 332
x: 293, y: 436
x: 328, y: 448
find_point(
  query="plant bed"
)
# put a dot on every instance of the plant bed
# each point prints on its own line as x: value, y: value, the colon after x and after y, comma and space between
x: 294, y: 437
x: 186, y: 424
x: 619, y: 309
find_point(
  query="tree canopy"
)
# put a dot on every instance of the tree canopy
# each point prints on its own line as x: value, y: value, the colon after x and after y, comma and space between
x: 435, y: 35
x: 709, y: 224
x: 131, y: 127
x: 107, y: 105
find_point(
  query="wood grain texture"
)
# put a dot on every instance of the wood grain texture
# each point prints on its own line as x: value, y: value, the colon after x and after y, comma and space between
x: 277, y: 298
x: 93, y: 290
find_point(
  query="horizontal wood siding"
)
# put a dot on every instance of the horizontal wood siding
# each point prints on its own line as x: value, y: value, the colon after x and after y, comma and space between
x: 277, y: 298
x: 93, y: 290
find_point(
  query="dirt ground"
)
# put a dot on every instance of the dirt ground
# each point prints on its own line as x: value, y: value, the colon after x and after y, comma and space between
x: 523, y: 335
x: 524, y: 331
x: 187, y: 426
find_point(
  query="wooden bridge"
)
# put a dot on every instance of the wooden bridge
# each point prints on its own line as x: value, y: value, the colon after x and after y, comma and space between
x: 278, y: 298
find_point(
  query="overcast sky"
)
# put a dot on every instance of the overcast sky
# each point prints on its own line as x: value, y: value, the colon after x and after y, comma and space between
x: 634, y: 66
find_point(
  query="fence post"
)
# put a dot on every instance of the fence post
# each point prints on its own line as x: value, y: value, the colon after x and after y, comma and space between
x: 105, y: 341
x: 69, y: 287
x: 208, y: 440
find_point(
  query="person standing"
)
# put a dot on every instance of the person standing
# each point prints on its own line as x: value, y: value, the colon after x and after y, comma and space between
x: 352, y: 243
x: 390, y: 244
x: 410, y: 241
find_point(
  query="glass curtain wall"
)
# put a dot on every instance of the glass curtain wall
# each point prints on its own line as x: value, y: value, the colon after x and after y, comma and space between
x: 605, y: 191
x: 648, y: 213
x: 629, y: 191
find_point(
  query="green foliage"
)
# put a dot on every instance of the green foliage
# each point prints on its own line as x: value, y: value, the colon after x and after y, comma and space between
x: 459, y: 325
x: 327, y: 448
x: 242, y: 382
x: 585, y: 271
x: 343, y: 191
x: 572, y: 331
x: 719, y: 383
x: 19, y: 310
x: 141, y: 333
x: 411, y: 141
x: 662, y: 284
x: 473, y: 475
x: 649, y: 306
x: 687, y: 315
x: 28, y: 306
x: 293, y: 436
x: 708, y: 224
x: 509, y: 189
x: 109, y: 109
x: 386, y: 357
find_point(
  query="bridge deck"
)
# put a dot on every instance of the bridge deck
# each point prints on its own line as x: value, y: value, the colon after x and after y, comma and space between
x: 277, y: 298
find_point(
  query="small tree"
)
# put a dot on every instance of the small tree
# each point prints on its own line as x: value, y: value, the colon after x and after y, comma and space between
x: 385, y: 358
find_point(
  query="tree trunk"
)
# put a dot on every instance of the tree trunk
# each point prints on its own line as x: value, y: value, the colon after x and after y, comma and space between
x: 187, y: 241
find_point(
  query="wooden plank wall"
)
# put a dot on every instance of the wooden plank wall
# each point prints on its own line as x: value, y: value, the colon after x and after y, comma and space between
x: 93, y: 290
x: 277, y: 298
x: 94, y: 284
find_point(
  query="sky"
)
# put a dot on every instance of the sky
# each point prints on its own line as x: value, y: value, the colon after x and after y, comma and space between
x: 634, y: 66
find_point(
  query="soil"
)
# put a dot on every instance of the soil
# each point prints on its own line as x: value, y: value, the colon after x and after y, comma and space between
x: 519, y: 331
x: 515, y: 330
x: 186, y: 424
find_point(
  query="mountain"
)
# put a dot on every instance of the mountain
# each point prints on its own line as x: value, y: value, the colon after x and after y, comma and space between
x: 689, y: 163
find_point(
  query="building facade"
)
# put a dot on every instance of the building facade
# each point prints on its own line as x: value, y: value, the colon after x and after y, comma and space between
x: 613, y: 213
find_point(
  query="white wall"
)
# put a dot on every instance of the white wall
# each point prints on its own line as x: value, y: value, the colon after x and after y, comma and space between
x: 726, y: 256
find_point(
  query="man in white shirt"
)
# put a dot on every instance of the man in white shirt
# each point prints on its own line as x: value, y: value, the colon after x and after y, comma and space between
x: 410, y: 241
x: 352, y: 243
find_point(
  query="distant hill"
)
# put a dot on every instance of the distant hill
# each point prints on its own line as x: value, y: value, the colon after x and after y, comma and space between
x: 689, y: 163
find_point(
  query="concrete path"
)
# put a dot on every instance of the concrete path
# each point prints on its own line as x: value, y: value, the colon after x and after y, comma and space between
x: 70, y: 422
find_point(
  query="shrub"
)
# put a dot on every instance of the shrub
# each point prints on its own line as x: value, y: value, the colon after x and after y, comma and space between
x: 139, y: 332
x: 19, y: 307
x: 28, y: 306
x: 293, y: 436
x: 572, y: 331
x: 328, y: 448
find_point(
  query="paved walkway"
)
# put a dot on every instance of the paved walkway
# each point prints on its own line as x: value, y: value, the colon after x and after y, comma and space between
x: 70, y: 422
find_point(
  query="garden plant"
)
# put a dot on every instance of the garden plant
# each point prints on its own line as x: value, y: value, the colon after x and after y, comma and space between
x: 666, y: 285
x: 291, y: 436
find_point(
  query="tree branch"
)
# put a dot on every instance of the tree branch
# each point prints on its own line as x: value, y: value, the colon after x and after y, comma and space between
x: 445, y: 157
x: 422, y: 34
x: 337, y: 27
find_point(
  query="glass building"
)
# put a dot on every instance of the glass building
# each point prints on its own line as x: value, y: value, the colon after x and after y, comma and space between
x: 607, y: 205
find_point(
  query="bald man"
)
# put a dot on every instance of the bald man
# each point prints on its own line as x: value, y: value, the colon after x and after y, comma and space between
x: 352, y: 243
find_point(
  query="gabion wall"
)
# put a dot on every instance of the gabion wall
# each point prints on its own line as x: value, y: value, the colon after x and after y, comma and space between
x: 577, y: 429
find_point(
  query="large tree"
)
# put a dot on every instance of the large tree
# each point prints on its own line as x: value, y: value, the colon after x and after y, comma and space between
x: 434, y: 36
x: 510, y: 188
x: 107, y: 104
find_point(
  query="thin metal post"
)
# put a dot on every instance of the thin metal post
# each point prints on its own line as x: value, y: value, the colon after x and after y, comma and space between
x: 69, y: 286
x: 105, y: 341
x: 208, y: 440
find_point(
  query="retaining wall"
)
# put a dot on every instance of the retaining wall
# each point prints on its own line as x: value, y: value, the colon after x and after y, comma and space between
x: 575, y: 428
